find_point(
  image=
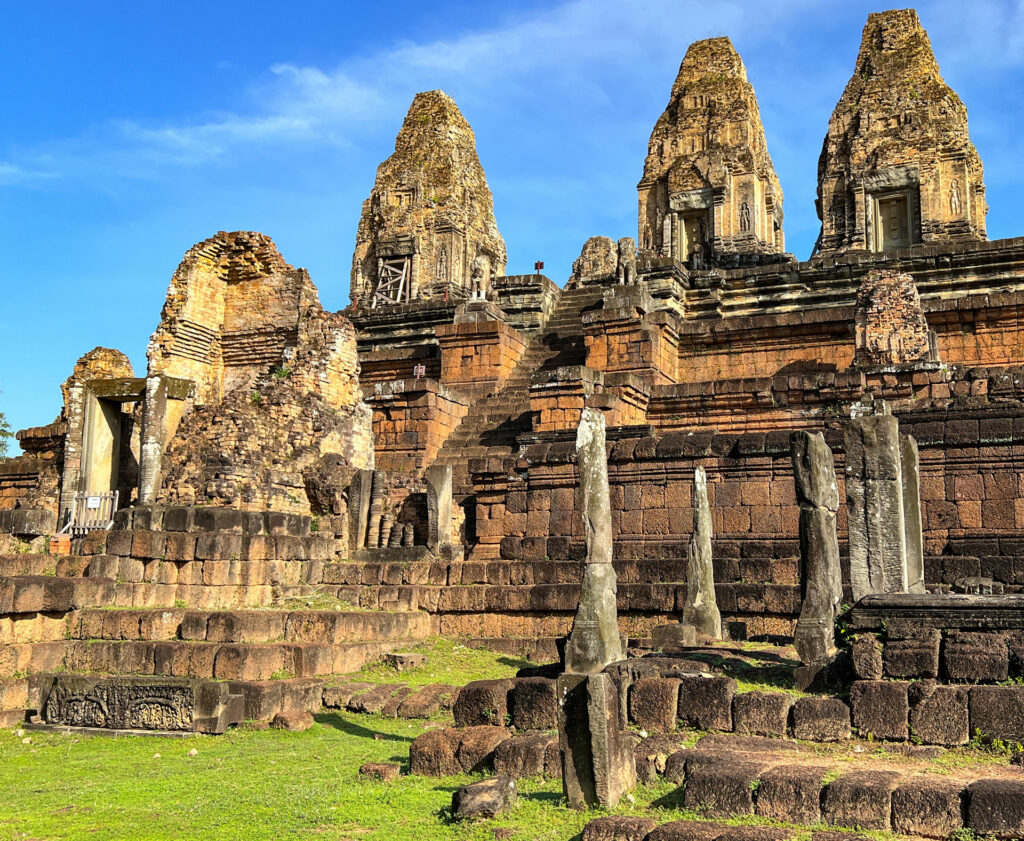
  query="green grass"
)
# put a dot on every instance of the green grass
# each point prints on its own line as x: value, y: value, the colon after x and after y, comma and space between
x: 264, y: 785
x: 448, y: 661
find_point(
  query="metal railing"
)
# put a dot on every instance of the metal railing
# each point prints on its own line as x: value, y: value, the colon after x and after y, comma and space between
x: 90, y: 512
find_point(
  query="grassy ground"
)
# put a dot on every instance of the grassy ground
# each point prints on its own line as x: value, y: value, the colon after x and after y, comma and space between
x: 260, y: 785
x: 270, y: 785
x: 448, y: 661
x: 257, y: 785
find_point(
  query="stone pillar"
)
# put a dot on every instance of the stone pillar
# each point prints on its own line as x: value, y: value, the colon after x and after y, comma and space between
x: 910, y: 469
x: 874, y: 502
x: 154, y: 408
x: 594, y: 641
x: 74, y: 443
x: 439, y: 505
x: 359, y: 493
x: 598, y: 766
x: 821, y: 583
x: 701, y: 610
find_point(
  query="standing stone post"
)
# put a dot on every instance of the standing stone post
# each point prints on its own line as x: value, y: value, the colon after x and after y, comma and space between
x: 594, y: 641
x: 874, y: 501
x: 910, y: 470
x: 154, y: 409
x: 701, y: 609
x: 598, y: 766
x: 821, y: 584
x: 359, y: 493
x: 439, y: 505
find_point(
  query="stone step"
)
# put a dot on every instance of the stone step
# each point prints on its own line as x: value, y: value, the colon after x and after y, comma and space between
x: 51, y: 594
x: 252, y: 626
x: 883, y: 789
x: 222, y: 661
x: 263, y: 699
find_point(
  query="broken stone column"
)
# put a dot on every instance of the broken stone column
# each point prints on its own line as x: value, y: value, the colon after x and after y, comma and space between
x: 598, y: 766
x: 821, y: 584
x: 594, y: 641
x: 439, y: 505
x: 910, y: 470
x: 597, y: 761
x: 359, y: 494
x: 701, y: 609
x: 875, y: 506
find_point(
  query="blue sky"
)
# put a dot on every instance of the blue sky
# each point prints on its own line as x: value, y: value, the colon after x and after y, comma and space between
x: 131, y: 130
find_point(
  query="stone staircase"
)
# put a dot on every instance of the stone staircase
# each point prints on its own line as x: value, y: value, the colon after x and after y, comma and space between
x: 105, y: 615
x: 491, y: 427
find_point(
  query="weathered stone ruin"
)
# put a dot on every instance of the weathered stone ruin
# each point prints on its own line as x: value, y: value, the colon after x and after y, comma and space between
x: 898, y: 166
x: 428, y: 229
x: 709, y: 190
x: 417, y: 465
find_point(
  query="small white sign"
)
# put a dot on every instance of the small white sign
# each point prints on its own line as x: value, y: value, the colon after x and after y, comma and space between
x: 92, y: 503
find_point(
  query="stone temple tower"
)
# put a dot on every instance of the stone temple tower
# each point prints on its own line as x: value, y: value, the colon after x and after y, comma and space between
x: 898, y: 167
x: 428, y: 228
x: 709, y: 191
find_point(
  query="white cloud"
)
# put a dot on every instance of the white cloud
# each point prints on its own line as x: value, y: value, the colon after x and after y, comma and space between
x: 11, y: 174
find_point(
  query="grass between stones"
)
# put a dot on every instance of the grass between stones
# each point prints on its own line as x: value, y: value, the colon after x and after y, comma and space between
x: 263, y: 785
x: 268, y: 785
x: 448, y: 661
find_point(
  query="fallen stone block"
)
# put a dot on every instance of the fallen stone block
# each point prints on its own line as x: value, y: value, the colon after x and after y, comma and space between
x: 524, y: 755
x: 293, y: 721
x: 791, y: 793
x: 372, y: 700
x: 931, y: 808
x: 761, y: 713
x: 337, y: 696
x: 485, y: 799
x: 384, y: 771
x: 434, y: 753
x: 477, y: 745
x: 821, y: 719
x: 427, y: 701
x: 391, y: 707
x: 996, y: 807
x: 654, y: 704
x: 685, y: 831
x: 482, y: 702
x: 705, y: 702
x: 651, y: 756
x: 618, y: 828
x: 880, y: 708
x: 532, y: 704
x: 861, y: 800
x: 404, y: 662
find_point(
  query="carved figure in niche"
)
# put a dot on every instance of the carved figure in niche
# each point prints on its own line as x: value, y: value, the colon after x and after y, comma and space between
x: 666, y: 234
x: 954, y: 198
x: 697, y: 257
x: 626, y: 267
x: 659, y: 216
x: 645, y: 237
x: 745, y: 222
x: 479, y: 275
x: 442, y: 264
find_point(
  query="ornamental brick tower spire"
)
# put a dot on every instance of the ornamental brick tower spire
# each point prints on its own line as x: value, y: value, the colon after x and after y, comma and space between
x: 428, y: 228
x: 709, y: 190
x: 898, y: 167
